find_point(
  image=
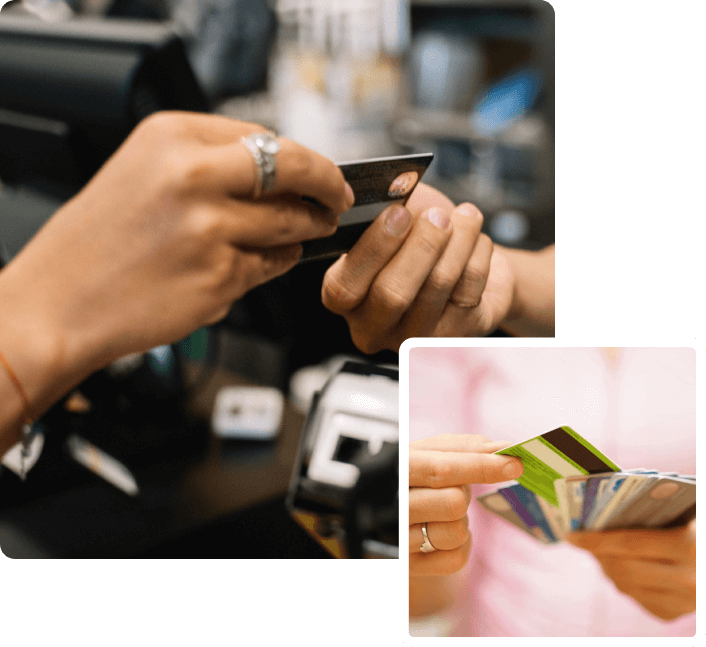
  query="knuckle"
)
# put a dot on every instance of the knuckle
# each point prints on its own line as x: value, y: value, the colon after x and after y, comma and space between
x: 175, y: 167
x: 219, y: 314
x: 389, y: 298
x: 337, y: 295
x: 185, y: 171
x: 333, y: 177
x: 319, y: 224
x: 455, y: 561
x: 459, y: 532
x: 328, y: 225
x: 365, y: 341
x: 429, y: 246
x: 204, y: 225
x: 340, y: 180
x: 163, y: 124
x: 299, y: 162
x: 475, y: 277
x: 284, y: 224
x: 194, y: 172
x: 221, y: 273
x: 484, y: 473
x: 439, y: 474
x: 455, y: 504
x: 441, y: 280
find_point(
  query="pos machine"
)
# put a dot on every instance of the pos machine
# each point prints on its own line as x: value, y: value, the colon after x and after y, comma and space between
x: 345, y: 484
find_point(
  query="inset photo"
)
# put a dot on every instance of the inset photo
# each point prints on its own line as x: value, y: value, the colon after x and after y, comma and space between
x: 552, y: 491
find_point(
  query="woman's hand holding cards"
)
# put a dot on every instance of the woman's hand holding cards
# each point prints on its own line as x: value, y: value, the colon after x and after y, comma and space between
x: 441, y: 470
x: 424, y: 270
x: 657, y: 568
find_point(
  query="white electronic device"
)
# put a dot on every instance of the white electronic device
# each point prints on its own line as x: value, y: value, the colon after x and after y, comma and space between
x: 358, y: 411
x: 249, y: 412
x: 345, y: 484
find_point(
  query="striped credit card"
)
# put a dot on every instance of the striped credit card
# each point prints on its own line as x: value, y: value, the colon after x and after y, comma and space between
x: 557, y: 454
x: 376, y: 184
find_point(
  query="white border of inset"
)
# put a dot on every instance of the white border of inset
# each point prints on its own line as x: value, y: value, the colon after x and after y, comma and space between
x: 559, y: 342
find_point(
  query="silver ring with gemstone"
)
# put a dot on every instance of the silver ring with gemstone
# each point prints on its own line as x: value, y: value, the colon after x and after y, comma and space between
x: 264, y: 148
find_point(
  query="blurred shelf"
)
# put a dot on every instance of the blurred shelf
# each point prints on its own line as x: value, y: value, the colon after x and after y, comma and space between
x: 484, y: 4
x: 413, y: 124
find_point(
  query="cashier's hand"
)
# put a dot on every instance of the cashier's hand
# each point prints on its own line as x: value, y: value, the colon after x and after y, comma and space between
x: 166, y: 236
x: 657, y: 568
x: 441, y: 471
x: 419, y: 272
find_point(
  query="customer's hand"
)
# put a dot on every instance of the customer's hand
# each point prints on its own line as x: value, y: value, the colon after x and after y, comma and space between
x: 166, y: 236
x: 657, y: 568
x: 426, y: 270
x: 441, y: 471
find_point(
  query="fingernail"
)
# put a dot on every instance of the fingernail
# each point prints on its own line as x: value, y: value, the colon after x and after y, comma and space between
x: 467, y: 210
x: 350, y: 195
x: 397, y: 220
x: 438, y: 218
x: 513, y: 470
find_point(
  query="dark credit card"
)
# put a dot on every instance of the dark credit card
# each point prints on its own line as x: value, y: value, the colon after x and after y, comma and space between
x: 376, y: 183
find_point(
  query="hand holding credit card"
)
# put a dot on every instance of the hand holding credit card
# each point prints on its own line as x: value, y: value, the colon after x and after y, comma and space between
x: 376, y: 183
x: 569, y: 485
x: 440, y: 471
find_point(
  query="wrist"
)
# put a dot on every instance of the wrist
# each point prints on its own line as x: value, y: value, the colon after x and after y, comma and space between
x: 430, y: 594
x: 531, y: 312
x: 515, y: 258
x: 43, y: 357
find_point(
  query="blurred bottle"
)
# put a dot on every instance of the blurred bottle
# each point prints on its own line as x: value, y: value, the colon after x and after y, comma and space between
x: 47, y: 10
x: 445, y: 70
x: 502, y: 105
x: 507, y: 101
x: 336, y: 74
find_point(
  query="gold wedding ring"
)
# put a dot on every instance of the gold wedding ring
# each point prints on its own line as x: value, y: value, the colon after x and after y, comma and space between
x: 426, y: 546
x: 460, y: 304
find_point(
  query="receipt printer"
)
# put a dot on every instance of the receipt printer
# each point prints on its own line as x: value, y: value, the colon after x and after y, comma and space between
x: 345, y: 485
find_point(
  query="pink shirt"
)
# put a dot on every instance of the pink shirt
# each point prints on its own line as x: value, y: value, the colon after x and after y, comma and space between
x: 639, y: 411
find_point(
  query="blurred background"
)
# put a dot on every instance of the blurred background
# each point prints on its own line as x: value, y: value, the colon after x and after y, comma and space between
x: 470, y: 80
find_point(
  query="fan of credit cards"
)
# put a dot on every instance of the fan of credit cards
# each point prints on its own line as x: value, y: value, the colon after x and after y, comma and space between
x: 568, y: 485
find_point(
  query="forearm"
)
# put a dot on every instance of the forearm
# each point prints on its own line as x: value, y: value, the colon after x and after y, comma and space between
x: 532, y: 310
